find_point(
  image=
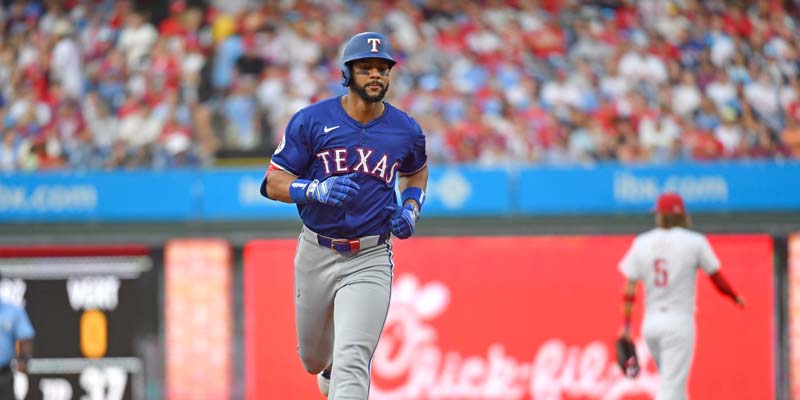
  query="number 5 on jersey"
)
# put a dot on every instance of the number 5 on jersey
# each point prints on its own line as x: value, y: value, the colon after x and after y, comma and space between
x: 661, y: 275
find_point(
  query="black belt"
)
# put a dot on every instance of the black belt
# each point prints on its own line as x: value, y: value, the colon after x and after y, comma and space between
x: 352, y: 246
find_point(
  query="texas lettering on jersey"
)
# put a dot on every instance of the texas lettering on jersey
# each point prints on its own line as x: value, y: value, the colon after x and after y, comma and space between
x: 335, y: 162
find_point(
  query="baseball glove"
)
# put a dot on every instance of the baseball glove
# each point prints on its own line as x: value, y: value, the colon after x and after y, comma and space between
x: 626, y: 357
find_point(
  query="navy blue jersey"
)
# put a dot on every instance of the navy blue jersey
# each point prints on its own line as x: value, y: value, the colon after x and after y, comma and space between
x: 323, y: 140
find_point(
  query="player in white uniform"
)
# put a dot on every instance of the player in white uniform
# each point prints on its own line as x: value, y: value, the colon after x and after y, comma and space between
x: 666, y: 259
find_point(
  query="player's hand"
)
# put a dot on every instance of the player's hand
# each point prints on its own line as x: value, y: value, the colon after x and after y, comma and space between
x: 740, y: 301
x: 403, y: 220
x: 334, y: 190
x: 627, y: 359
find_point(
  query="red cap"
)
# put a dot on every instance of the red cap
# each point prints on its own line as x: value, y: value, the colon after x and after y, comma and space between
x: 669, y: 203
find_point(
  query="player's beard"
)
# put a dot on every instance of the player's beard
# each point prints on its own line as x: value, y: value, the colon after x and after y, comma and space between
x: 361, y: 91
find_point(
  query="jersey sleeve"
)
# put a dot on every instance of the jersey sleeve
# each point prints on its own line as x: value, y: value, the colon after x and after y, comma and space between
x: 23, y: 329
x: 294, y: 151
x: 708, y: 260
x: 629, y: 265
x: 419, y: 156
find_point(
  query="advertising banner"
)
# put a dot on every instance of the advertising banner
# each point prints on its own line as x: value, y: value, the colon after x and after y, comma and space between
x: 453, y: 191
x: 615, y: 188
x: 99, y: 196
x: 86, y: 305
x: 198, y: 319
x: 517, y: 318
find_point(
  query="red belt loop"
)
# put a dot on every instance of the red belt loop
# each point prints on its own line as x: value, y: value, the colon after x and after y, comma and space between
x: 355, y: 245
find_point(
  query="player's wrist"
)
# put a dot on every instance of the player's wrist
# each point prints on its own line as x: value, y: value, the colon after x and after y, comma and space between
x: 416, y: 194
x: 300, y: 190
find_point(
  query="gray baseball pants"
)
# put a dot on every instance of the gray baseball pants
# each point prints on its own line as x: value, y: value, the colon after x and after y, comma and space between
x: 341, y: 302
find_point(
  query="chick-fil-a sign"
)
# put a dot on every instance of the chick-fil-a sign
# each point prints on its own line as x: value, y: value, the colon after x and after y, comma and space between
x: 516, y: 318
x: 409, y: 348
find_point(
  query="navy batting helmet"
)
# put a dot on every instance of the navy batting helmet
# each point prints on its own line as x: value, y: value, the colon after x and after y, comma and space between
x: 365, y: 45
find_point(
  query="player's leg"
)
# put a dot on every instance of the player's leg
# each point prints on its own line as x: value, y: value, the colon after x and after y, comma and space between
x: 361, y: 305
x: 653, y: 333
x: 677, y: 353
x: 314, y: 288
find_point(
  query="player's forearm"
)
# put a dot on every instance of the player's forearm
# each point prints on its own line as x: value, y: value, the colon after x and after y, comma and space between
x: 417, y: 180
x: 628, y: 299
x: 278, y: 183
x: 722, y: 285
x: 25, y: 353
x: 25, y: 349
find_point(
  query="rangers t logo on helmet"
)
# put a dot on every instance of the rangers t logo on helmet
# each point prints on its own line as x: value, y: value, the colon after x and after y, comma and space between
x: 375, y: 42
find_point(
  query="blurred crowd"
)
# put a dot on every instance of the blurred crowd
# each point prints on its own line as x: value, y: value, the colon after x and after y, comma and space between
x: 104, y: 84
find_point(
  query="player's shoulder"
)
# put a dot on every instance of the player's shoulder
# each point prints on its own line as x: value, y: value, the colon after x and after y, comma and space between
x: 647, y: 236
x: 398, y: 116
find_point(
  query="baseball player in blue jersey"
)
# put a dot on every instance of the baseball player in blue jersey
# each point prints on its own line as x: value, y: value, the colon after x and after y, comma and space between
x: 339, y: 161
